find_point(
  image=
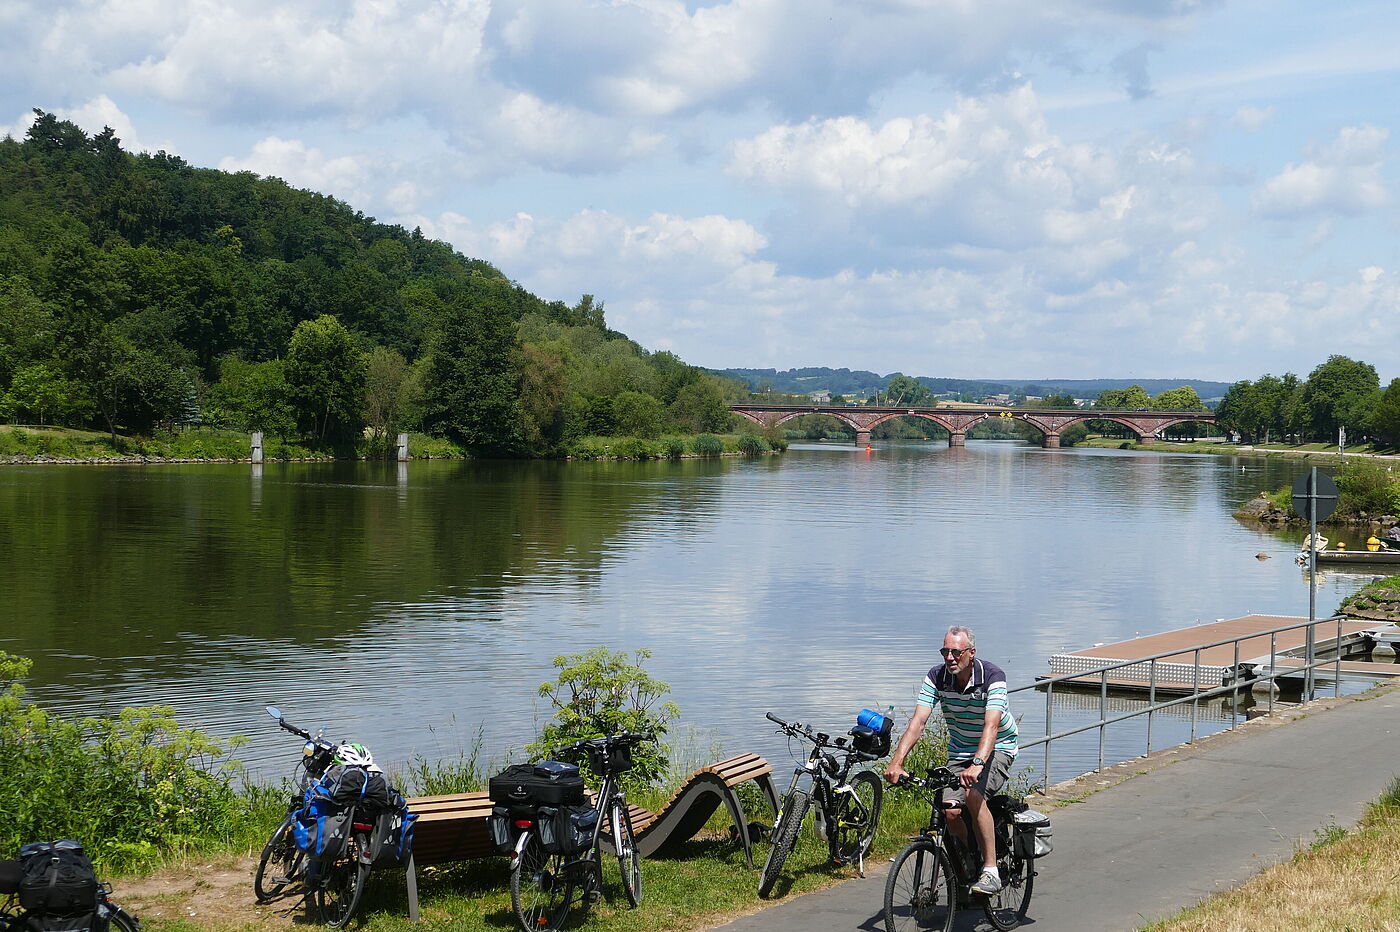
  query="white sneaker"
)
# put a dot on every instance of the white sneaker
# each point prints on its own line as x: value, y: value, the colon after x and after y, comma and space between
x: 987, y: 884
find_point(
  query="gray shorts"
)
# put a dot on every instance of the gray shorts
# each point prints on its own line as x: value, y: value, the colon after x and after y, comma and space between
x: 993, y: 778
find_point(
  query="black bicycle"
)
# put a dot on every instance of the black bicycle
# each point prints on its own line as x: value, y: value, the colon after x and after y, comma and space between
x: 545, y: 879
x: 848, y: 806
x: 933, y: 875
x: 334, y: 885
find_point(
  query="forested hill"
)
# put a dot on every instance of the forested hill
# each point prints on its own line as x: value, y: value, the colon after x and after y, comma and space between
x: 861, y: 383
x: 138, y: 292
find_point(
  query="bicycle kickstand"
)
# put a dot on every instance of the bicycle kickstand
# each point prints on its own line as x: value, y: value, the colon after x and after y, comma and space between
x: 860, y: 864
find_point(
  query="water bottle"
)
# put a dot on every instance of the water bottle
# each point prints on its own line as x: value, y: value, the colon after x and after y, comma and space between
x: 819, y: 821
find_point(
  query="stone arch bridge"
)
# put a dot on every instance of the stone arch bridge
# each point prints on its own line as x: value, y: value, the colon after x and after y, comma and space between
x: 1146, y: 425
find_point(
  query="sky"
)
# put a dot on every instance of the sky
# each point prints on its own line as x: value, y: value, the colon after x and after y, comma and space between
x: 953, y: 188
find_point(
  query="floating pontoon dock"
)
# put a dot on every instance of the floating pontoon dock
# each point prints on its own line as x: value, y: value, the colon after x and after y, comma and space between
x: 1184, y: 665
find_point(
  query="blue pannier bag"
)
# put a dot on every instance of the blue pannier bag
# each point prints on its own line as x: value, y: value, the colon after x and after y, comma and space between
x: 321, y: 829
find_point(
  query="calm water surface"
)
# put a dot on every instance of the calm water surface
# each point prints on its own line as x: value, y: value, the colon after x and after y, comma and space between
x: 413, y: 607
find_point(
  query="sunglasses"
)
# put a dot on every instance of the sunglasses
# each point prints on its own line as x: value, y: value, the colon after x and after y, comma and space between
x: 954, y: 652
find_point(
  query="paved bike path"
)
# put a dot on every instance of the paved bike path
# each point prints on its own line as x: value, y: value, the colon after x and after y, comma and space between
x: 1200, y: 819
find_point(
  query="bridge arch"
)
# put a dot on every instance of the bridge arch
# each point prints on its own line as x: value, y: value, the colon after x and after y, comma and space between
x: 1146, y: 425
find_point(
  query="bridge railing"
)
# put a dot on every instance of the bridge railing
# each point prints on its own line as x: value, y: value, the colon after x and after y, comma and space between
x: 1233, y: 683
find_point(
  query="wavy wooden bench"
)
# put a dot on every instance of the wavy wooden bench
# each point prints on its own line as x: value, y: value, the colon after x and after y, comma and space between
x: 453, y: 827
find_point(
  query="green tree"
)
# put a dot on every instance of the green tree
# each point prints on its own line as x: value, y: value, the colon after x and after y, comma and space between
x: 1337, y: 393
x: 700, y: 407
x: 471, y: 390
x: 543, y: 390
x: 1386, y: 418
x: 903, y: 391
x: 638, y: 415
x: 1178, y: 399
x: 386, y: 375
x: 251, y: 396
x: 325, y: 375
x: 42, y: 392
x: 604, y: 692
x: 1132, y: 398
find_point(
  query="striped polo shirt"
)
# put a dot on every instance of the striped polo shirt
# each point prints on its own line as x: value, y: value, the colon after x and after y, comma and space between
x: 964, y: 709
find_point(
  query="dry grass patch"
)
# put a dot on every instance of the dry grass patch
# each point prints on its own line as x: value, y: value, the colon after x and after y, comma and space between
x: 1344, y: 881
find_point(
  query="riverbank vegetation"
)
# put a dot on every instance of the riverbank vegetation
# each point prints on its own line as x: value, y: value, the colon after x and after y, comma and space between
x: 151, y: 800
x: 141, y: 296
x: 1344, y: 880
x: 1339, y: 393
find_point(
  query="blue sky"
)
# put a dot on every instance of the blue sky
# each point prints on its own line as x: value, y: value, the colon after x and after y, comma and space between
x: 1031, y: 188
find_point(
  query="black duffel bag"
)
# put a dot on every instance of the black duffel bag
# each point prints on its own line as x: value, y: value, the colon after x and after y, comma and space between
x: 549, y: 783
x: 59, y: 889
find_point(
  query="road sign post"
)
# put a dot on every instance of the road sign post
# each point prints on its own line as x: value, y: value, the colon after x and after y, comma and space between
x: 1315, y: 498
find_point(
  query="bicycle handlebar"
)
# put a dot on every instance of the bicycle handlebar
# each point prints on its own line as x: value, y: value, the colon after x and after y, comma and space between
x: 607, y: 741
x: 938, y: 778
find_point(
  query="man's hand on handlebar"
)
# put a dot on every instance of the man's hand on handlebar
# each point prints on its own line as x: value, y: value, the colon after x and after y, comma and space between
x: 895, y: 772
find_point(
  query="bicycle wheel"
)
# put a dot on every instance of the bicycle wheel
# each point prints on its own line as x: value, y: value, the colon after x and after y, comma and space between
x: 857, y: 816
x: 341, y: 885
x: 280, y: 862
x: 1006, y: 909
x: 627, y: 857
x: 540, y: 889
x: 785, y: 829
x: 121, y: 922
x: 921, y: 891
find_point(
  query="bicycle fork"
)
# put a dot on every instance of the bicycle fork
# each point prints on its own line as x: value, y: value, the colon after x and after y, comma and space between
x: 834, y: 796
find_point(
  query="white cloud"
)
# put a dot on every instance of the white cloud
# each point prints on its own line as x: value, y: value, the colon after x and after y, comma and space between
x: 1342, y: 178
x: 19, y: 127
x: 1253, y: 119
x: 347, y: 177
x: 257, y: 59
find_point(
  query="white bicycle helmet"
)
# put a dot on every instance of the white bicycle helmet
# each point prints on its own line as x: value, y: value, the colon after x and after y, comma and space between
x: 355, y: 755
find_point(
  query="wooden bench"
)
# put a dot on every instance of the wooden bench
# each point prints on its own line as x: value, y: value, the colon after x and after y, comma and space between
x: 453, y: 827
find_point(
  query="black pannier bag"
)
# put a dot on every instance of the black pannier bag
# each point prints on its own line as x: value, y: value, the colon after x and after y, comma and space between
x: 10, y: 874
x: 567, y: 830
x: 59, y: 888
x: 500, y: 825
x: 1032, y: 834
x: 550, y: 783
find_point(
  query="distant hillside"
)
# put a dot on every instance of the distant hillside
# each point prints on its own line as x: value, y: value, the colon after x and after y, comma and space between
x: 861, y: 383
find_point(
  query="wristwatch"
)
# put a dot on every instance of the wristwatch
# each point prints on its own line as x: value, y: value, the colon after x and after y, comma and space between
x: 979, y: 762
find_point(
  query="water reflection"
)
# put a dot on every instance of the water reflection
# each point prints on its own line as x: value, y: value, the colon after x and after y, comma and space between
x: 410, y: 605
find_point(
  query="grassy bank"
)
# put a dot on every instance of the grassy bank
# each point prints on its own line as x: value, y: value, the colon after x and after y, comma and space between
x: 695, y: 886
x: 61, y: 444
x: 25, y: 444
x: 1344, y: 880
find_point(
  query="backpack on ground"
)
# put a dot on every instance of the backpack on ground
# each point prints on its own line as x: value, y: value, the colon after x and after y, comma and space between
x: 59, y: 889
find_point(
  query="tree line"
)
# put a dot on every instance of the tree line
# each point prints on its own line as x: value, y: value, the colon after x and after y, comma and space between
x: 1340, y: 392
x: 140, y: 294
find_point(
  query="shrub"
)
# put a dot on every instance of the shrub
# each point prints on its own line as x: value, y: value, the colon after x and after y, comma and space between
x: 634, y: 448
x: 749, y: 445
x: 602, y: 692
x: 675, y: 448
x: 127, y: 786
x: 707, y: 445
x: 1369, y: 488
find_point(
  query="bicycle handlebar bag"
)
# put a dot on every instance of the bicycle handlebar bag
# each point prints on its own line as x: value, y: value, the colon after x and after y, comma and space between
x: 548, y: 784
x: 872, y: 733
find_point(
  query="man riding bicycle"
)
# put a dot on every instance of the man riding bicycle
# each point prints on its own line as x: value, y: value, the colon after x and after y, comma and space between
x: 981, y: 739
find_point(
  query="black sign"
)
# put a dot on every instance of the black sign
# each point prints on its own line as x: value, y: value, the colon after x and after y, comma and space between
x: 1324, y: 496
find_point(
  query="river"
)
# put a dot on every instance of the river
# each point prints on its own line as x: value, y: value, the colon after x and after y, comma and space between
x: 416, y: 607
